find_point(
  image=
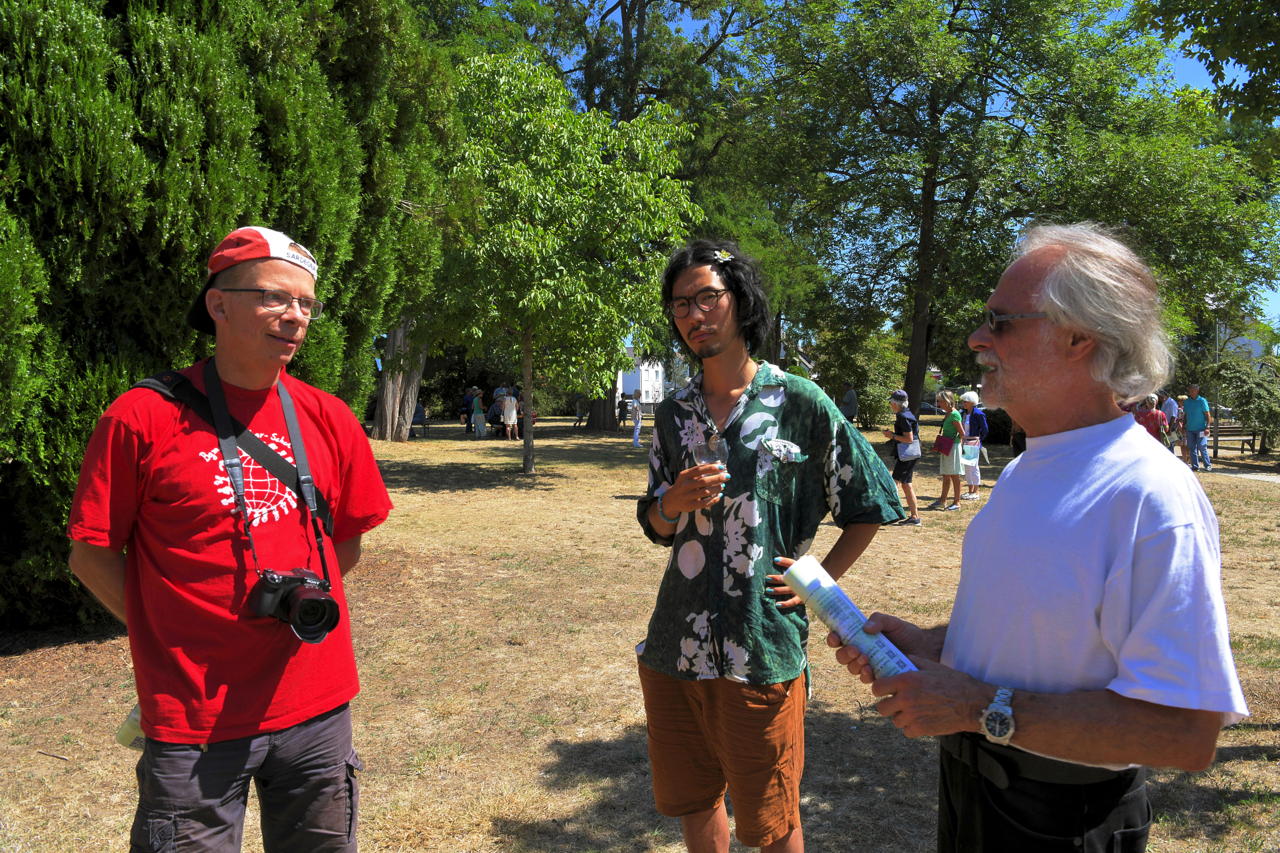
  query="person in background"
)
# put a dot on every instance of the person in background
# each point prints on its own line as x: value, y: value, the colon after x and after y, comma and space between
x: 906, y: 429
x: 952, y: 462
x: 1196, y: 421
x: 637, y: 417
x: 478, y: 425
x: 1169, y: 405
x: 510, y: 411
x: 849, y: 403
x: 1088, y: 638
x: 624, y: 405
x: 1152, y: 419
x: 975, y: 430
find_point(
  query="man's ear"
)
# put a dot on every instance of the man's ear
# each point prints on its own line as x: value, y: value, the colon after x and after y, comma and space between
x: 1081, y: 345
x: 215, y: 301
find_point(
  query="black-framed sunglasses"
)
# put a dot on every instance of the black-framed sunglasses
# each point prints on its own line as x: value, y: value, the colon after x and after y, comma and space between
x: 995, y: 322
x: 278, y: 301
x: 706, y: 300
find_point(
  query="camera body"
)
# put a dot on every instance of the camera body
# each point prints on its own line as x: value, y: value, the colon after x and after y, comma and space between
x: 298, y: 597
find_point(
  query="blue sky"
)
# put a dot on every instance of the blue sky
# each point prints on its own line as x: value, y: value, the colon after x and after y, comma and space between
x: 1192, y: 73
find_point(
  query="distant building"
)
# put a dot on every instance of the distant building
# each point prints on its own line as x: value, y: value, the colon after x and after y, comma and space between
x: 648, y: 376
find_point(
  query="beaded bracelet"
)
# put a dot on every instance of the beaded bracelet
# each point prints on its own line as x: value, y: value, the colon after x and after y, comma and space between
x: 663, y: 515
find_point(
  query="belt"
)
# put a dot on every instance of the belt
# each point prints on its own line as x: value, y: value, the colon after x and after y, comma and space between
x: 1000, y: 764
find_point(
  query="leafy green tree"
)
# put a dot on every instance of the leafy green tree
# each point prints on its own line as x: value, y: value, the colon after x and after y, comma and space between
x: 576, y: 213
x: 934, y: 131
x: 132, y: 136
x: 1249, y: 386
x: 1226, y: 35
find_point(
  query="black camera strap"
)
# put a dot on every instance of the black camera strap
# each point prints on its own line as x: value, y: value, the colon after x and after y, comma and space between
x: 228, y: 443
x: 175, y: 386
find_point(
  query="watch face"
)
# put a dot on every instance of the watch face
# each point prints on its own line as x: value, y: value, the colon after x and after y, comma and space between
x: 997, y: 724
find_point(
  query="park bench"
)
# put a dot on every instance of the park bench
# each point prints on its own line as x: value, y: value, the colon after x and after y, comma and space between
x: 1232, y: 433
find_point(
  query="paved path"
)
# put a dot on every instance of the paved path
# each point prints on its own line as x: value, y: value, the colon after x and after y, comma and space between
x: 1248, y: 475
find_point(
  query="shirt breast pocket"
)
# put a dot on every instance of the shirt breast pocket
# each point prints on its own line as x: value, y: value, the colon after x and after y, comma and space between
x: 778, y: 470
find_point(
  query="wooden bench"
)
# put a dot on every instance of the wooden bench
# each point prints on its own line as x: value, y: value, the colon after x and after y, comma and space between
x: 1231, y: 432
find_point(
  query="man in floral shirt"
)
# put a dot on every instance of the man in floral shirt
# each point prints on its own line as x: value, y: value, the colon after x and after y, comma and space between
x: 722, y: 662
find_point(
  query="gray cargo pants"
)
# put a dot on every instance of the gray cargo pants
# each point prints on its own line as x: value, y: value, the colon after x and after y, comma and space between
x: 192, y: 797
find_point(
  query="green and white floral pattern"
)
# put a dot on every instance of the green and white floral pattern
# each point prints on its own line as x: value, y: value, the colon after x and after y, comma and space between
x: 792, y: 459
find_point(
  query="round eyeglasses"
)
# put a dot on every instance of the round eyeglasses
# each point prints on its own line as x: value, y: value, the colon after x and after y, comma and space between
x: 278, y: 301
x: 706, y: 300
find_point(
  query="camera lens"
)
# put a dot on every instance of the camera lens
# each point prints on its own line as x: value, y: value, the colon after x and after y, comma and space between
x: 312, y: 614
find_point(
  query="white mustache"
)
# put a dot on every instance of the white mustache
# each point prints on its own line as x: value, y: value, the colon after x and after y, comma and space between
x: 985, y: 359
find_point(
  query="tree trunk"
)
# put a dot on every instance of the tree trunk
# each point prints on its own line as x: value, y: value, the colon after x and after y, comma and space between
x: 402, y: 366
x: 526, y: 373
x: 603, y: 414
x: 922, y: 292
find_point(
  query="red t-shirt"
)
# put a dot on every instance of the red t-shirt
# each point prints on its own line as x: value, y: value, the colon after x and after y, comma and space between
x: 152, y: 484
x: 1153, y: 419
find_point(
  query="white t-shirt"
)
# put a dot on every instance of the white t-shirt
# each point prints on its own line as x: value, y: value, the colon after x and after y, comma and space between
x: 1095, y: 565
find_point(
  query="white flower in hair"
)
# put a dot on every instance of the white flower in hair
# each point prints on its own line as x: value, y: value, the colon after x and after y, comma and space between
x: 721, y: 256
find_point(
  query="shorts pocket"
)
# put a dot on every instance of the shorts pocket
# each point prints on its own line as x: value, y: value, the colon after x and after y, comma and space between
x: 354, y: 766
x: 153, y: 832
x: 765, y: 695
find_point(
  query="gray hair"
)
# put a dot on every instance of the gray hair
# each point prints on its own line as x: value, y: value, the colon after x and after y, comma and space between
x: 1101, y: 287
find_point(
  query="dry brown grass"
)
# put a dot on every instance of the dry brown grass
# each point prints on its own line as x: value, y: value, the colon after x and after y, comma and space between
x: 495, y: 617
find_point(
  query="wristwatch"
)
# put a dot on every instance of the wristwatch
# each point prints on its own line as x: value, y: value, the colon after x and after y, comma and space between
x: 996, y: 720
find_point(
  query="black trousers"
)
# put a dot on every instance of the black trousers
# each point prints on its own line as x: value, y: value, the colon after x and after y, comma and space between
x: 976, y: 814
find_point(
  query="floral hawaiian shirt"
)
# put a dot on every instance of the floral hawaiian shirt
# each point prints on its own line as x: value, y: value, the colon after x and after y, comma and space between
x: 792, y: 458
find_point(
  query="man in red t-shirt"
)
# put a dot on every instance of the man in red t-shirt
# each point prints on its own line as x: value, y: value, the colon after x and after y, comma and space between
x: 160, y: 537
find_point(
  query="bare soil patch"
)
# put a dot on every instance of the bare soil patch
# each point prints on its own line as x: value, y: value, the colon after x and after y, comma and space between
x: 495, y: 619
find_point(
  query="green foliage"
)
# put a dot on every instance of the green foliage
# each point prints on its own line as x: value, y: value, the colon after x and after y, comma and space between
x: 923, y: 136
x: 574, y: 213
x: 1226, y: 33
x: 1248, y: 387
x: 135, y: 135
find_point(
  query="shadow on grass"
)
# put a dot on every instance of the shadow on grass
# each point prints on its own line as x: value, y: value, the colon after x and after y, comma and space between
x: 862, y: 781
x: 19, y: 642
x: 499, y: 464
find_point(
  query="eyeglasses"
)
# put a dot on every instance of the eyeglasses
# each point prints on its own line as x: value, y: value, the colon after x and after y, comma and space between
x: 995, y: 322
x: 278, y: 301
x: 706, y: 300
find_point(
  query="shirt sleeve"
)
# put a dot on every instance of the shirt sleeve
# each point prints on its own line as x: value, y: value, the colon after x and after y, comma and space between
x: 858, y: 487
x: 363, y: 502
x: 1167, y: 625
x: 661, y: 476
x: 108, y: 493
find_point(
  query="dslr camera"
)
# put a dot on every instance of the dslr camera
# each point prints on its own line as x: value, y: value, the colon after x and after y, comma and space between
x: 298, y: 597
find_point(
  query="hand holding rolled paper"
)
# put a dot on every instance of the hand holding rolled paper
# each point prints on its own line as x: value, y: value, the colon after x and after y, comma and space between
x: 820, y: 593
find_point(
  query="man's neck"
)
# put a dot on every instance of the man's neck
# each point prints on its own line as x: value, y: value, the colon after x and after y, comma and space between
x: 248, y: 377
x: 1086, y: 409
x: 729, y: 372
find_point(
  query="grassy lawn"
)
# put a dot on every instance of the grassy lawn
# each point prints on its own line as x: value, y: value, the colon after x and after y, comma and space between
x: 495, y: 619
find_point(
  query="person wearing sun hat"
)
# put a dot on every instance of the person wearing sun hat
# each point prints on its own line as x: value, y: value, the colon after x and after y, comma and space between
x: 975, y: 430
x: 905, y: 440
x: 163, y: 540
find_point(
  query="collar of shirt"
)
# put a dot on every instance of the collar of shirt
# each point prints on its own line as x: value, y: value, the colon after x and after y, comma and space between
x: 766, y: 377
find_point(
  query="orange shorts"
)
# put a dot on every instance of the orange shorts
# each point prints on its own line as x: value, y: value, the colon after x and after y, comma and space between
x: 711, y: 735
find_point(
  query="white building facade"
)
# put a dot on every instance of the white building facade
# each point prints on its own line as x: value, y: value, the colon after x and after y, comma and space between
x: 649, y: 376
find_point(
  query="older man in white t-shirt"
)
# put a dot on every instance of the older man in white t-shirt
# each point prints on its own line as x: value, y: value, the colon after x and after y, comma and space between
x: 1088, y: 638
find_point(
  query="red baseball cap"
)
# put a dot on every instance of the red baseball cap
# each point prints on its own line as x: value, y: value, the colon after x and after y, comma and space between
x: 246, y: 244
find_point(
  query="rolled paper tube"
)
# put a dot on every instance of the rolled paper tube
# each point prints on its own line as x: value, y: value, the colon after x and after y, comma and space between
x: 820, y: 593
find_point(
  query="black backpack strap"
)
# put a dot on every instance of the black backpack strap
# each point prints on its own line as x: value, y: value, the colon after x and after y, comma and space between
x: 175, y: 386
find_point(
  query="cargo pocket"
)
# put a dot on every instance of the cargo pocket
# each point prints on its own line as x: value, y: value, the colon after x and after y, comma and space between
x: 354, y: 766
x: 154, y: 833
